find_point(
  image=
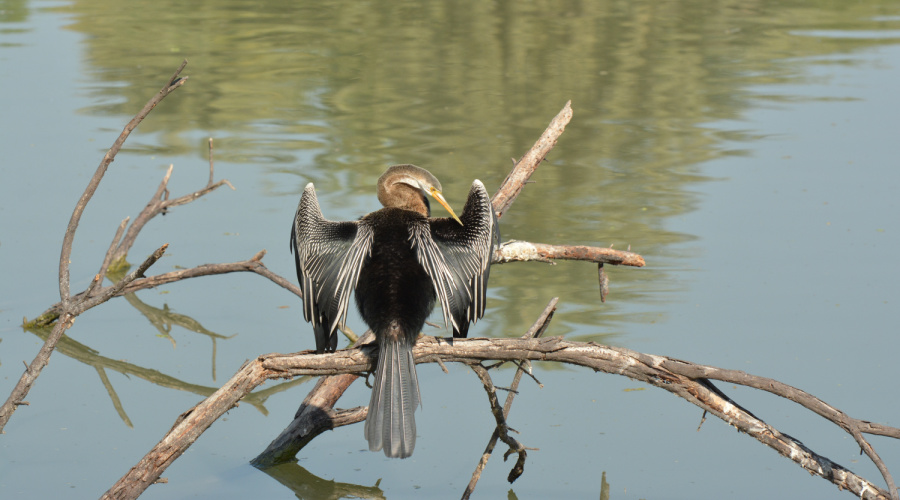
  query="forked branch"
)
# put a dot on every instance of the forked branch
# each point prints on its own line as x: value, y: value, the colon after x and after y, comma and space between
x: 66, y: 253
x: 537, y: 330
x: 70, y: 308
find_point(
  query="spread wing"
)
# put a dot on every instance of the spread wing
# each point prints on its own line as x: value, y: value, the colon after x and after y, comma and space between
x: 328, y: 256
x: 458, y: 258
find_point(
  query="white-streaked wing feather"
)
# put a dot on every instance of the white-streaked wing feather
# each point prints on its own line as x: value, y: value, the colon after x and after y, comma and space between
x: 458, y: 258
x: 329, y: 256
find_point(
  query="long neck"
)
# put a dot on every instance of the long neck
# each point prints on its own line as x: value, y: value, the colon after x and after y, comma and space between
x: 400, y: 195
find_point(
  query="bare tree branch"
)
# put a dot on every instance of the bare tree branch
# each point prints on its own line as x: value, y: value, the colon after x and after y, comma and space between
x: 70, y: 309
x: 172, y: 84
x: 315, y: 416
x: 111, y: 291
x: 523, y: 251
x: 502, y: 429
x: 511, y: 187
x: 33, y: 370
x: 158, y: 204
x: 537, y: 329
x: 515, y: 251
x: 660, y: 371
x: 253, y: 264
x: 188, y: 427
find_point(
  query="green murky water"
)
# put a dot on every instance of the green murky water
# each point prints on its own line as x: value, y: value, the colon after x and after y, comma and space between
x: 747, y: 149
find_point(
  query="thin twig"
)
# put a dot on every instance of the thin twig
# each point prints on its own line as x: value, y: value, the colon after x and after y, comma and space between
x: 211, y: 167
x: 603, y: 279
x: 870, y: 452
x: 161, y: 203
x: 111, y: 291
x: 502, y: 429
x: 537, y: 329
x: 172, y: 84
x: 107, y: 259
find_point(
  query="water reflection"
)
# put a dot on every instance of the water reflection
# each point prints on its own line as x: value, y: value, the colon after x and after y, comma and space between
x: 332, y: 94
x: 163, y: 320
x: 303, y: 484
x: 306, y: 485
x: 12, y: 11
x: 91, y: 357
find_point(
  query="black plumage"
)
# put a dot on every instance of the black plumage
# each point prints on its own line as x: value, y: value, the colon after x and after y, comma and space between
x: 399, y: 262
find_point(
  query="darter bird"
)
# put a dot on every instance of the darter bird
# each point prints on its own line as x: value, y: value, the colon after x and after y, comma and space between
x: 399, y: 261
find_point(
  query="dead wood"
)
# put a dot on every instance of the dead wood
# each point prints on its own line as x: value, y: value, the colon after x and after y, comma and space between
x: 524, y: 251
x: 536, y: 330
x: 315, y: 416
x: 71, y: 307
x: 517, y: 178
x: 513, y: 251
x: 687, y: 380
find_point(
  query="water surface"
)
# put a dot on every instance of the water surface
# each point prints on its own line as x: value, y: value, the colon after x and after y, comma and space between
x: 747, y: 150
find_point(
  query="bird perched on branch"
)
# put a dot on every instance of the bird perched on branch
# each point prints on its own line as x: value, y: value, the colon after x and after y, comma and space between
x: 399, y: 261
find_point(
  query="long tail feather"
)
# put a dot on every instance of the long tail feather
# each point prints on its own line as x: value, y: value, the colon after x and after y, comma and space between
x: 391, y: 423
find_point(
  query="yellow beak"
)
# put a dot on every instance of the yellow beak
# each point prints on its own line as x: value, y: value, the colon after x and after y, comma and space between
x: 440, y: 198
